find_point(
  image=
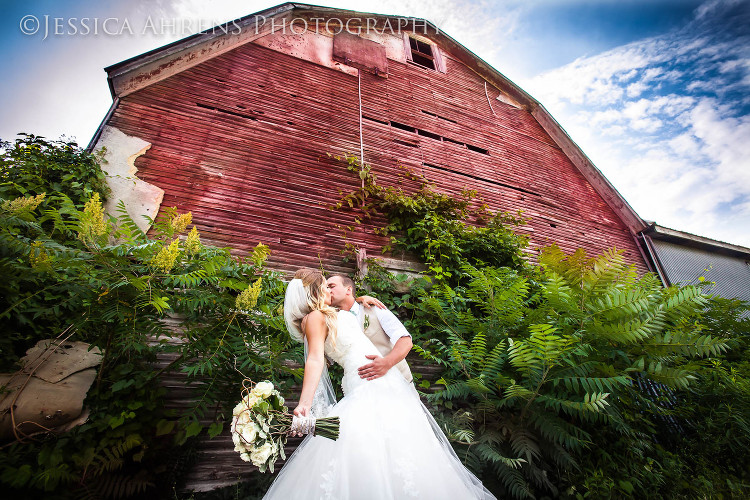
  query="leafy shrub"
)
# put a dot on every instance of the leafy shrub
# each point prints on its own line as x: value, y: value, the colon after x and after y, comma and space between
x: 443, y: 231
x: 72, y: 271
x: 528, y: 376
x: 576, y: 378
x: 32, y: 165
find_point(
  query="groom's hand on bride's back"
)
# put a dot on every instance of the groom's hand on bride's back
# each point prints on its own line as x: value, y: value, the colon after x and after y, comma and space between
x: 377, y: 368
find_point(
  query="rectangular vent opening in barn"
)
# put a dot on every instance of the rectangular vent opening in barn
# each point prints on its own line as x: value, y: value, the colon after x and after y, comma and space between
x: 475, y: 177
x: 477, y: 149
x: 226, y: 111
x: 378, y: 120
x: 431, y: 135
x: 438, y: 116
x: 421, y: 53
x: 406, y: 143
x: 401, y: 126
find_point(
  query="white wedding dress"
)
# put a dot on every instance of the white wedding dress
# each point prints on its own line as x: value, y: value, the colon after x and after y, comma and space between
x: 389, y: 446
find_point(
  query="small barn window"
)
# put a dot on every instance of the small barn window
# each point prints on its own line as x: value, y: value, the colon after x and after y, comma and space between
x: 423, y: 53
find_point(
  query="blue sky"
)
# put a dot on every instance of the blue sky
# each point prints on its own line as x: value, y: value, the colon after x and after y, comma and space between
x: 656, y: 92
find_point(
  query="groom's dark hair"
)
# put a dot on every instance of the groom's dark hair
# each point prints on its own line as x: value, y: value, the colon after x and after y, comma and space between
x: 346, y: 281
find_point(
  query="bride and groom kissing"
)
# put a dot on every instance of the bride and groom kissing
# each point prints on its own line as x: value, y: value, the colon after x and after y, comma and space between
x: 389, y: 445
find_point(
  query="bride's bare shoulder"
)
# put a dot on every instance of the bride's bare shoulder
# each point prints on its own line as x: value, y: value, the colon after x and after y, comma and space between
x: 314, y: 318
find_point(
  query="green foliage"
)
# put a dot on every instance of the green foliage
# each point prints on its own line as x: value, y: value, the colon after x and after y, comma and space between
x: 32, y: 165
x: 71, y: 268
x: 575, y: 378
x: 533, y: 372
x: 443, y: 231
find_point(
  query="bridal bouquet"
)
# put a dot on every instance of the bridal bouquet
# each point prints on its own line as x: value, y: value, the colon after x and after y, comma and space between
x: 261, y: 424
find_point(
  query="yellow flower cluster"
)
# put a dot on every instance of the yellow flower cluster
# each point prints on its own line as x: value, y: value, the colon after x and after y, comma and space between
x: 38, y: 258
x: 165, y: 259
x: 193, y: 242
x: 93, y: 223
x: 260, y: 254
x: 180, y: 222
x: 22, y: 204
x: 249, y: 296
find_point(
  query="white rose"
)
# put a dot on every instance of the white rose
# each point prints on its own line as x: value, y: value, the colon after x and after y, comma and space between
x: 236, y: 440
x: 239, y: 408
x: 245, y: 457
x: 249, y: 432
x: 243, y: 418
x: 259, y: 455
x: 263, y: 389
x: 251, y: 399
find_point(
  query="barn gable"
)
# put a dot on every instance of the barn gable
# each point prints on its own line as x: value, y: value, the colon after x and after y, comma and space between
x: 240, y: 120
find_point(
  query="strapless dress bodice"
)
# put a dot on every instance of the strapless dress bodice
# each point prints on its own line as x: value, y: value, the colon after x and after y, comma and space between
x: 350, y: 349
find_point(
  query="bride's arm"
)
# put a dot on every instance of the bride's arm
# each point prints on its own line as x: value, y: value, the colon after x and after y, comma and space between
x: 315, y: 331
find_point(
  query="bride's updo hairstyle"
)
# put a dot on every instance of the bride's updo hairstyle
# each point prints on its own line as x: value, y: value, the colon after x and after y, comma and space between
x: 315, y: 287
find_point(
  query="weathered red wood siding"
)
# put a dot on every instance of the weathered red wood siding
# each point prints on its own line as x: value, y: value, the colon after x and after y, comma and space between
x: 241, y: 141
x: 257, y: 170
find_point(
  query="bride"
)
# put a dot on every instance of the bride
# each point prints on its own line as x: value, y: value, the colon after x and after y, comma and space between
x: 389, y: 446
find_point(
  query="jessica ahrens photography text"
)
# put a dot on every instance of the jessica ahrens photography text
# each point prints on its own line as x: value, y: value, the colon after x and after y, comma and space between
x: 48, y: 26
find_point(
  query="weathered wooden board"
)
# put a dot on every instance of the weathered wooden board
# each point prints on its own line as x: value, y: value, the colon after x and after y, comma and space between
x: 241, y: 141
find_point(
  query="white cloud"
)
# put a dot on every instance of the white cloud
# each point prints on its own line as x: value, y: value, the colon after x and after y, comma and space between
x: 685, y: 145
x: 591, y: 81
x: 663, y: 119
x: 600, y: 118
x: 635, y: 89
x: 725, y: 140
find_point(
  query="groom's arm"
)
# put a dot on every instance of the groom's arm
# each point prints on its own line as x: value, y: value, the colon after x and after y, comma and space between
x: 402, y: 344
x: 381, y: 365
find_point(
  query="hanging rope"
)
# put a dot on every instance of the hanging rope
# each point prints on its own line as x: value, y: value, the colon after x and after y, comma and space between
x: 486, y: 95
x: 361, y: 137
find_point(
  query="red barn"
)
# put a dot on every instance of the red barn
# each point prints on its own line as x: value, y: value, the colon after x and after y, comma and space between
x: 234, y: 124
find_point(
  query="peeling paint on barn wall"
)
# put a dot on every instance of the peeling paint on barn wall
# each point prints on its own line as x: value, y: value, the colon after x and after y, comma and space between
x: 140, y: 198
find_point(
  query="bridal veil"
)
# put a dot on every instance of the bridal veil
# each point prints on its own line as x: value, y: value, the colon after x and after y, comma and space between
x: 295, y: 308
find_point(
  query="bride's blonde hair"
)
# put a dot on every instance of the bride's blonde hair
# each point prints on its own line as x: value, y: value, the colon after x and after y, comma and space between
x: 315, y: 286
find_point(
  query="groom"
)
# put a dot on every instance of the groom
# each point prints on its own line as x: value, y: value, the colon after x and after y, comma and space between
x: 380, y: 325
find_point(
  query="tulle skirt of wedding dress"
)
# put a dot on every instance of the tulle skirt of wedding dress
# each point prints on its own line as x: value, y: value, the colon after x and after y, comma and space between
x: 389, y: 447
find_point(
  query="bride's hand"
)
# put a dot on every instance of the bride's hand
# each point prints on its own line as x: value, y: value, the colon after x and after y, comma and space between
x: 302, y: 410
x: 368, y: 301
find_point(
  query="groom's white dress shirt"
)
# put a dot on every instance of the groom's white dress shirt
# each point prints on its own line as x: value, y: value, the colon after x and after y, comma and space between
x: 390, y: 323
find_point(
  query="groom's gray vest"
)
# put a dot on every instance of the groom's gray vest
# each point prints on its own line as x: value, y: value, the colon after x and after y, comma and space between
x: 381, y: 340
